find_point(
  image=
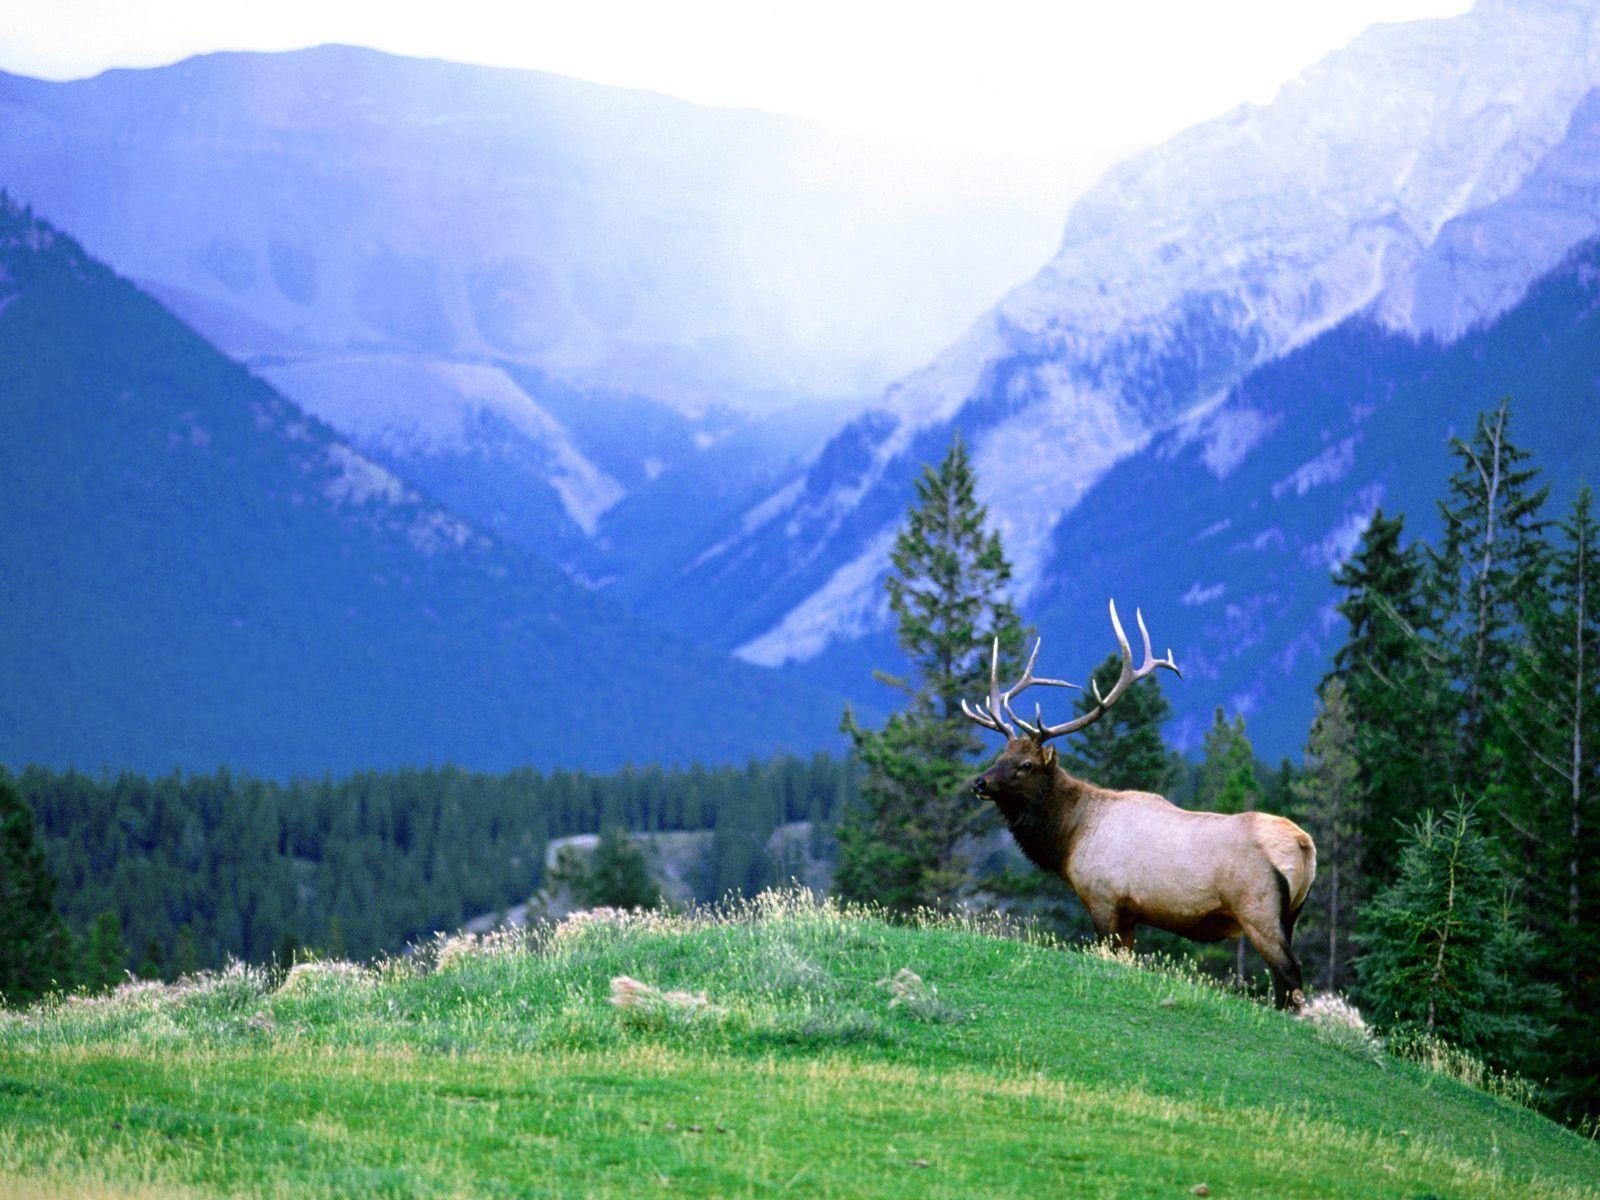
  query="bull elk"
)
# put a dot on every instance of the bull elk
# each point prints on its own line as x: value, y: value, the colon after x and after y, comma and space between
x: 1135, y: 858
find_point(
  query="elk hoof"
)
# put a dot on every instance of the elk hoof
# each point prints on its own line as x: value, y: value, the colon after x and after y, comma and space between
x: 1297, y: 1000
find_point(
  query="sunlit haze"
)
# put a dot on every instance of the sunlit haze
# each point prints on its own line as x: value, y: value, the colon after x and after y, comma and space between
x: 1009, y: 76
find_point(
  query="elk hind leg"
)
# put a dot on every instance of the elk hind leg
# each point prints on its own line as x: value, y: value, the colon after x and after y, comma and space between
x: 1270, y: 929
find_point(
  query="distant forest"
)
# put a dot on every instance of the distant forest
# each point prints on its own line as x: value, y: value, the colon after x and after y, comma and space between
x: 215, y: 866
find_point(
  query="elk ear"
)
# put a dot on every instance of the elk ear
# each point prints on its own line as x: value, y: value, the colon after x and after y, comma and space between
x: 1050, y: 756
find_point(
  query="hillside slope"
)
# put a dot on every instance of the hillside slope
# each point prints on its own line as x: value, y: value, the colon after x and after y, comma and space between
x: 500, y: 1069
x: 194, y: 572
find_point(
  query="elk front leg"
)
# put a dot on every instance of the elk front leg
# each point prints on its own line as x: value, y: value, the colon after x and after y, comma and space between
x: 1122, y: 927
x: 1110, y: 922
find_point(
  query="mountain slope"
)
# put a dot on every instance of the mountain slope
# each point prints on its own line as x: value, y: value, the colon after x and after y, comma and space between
x: 1235, y: 564
x: 192, y: 572
x: 1007, y: 1069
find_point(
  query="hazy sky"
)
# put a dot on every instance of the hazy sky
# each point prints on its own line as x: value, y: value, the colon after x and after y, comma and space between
x: 997, y: 75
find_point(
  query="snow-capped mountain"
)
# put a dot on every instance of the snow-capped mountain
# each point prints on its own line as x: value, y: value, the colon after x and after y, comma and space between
x: 1428, y: 173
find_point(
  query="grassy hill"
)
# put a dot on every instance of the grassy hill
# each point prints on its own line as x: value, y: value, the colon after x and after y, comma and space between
x: 500, y: 1067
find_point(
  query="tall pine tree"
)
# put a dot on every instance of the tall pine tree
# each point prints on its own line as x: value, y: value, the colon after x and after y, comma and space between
x: 947, y: 587
x: 1326, y: 800
x: 1546, y: 784
x: 1396, y: 681
x: 106, y: 958
x: 1228, y: 783
x: 1124, y: 749
x: 1227, y: 777
x: 33, y: 941
x: 1490, y: 558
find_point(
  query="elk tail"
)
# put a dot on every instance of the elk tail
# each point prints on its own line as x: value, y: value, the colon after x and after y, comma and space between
x: 1308, y: 870
x: 1292, y: 854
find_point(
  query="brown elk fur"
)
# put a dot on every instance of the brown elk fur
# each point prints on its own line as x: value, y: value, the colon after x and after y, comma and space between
x: 1135, y: 858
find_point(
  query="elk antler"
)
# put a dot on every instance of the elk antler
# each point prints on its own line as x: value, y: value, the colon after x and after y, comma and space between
x: 1000, y: 702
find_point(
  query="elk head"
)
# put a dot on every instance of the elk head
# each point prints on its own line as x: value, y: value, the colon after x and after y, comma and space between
x: 1026, y: 767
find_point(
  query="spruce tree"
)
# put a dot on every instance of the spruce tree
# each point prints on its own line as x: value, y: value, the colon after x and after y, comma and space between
x: 1444, y: 951
x: 1228, y: 784
x: 33, y: 941
x: 1396, y: 682
x: 185, y: 955
x: 1545, y: 766
x: 334, y: 945
x: 151, y: 963
x: 1124, y: 749
x: 898, y: 846
x: 618, y: 874
x: 106, y: 958
x: 1326, y: 796
x: 1227, y: 780
x: 1490, y: 559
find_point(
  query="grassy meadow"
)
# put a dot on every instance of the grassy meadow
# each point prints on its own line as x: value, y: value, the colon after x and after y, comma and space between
x: 809, y: 1052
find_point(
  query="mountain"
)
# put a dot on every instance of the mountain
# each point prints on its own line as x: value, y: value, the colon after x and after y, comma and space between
x: 343, y: 199
x: 434, y: 258
x: 194, y: 571
x: 1416, y: 184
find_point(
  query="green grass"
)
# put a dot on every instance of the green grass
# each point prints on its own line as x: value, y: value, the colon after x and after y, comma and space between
x: 501, y: 1069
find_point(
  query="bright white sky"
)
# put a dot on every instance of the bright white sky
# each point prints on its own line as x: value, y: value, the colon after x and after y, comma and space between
x: 1001, y: 75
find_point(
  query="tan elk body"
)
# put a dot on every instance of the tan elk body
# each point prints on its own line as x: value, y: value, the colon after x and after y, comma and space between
x: 1135, y: 858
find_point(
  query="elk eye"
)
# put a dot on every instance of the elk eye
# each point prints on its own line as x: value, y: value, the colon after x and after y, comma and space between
x: 1024, y: 767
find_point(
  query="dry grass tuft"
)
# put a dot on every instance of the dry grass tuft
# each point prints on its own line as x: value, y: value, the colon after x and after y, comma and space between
x: 910, y: 992
x: 1339, y: 1023
x: 646, y: 1005
x: 325, y: 977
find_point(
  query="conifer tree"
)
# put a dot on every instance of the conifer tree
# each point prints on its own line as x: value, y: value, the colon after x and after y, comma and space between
x: 150, y: 964
x: 618, y: 875
x: 1280, y: 792
x: 1228, y: 783
x: 1444, y: 952
x: 1546, y: 785
x: 1326, y: 795
x: 106, y: 958
x: 284, y: 955
x: 334, y: 945
x: 33, y: 941
x: 185, y: 955
x: 1490, y: 559
x: 1396, y: 682
x: 1227, y: 777
x: 1124, y: 749
x: 947, y: 587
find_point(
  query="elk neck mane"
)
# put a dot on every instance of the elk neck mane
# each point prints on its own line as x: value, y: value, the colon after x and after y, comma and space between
x: 1043, y: 825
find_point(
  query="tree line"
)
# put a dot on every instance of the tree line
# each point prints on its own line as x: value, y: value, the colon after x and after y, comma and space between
x: 124, y: 873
